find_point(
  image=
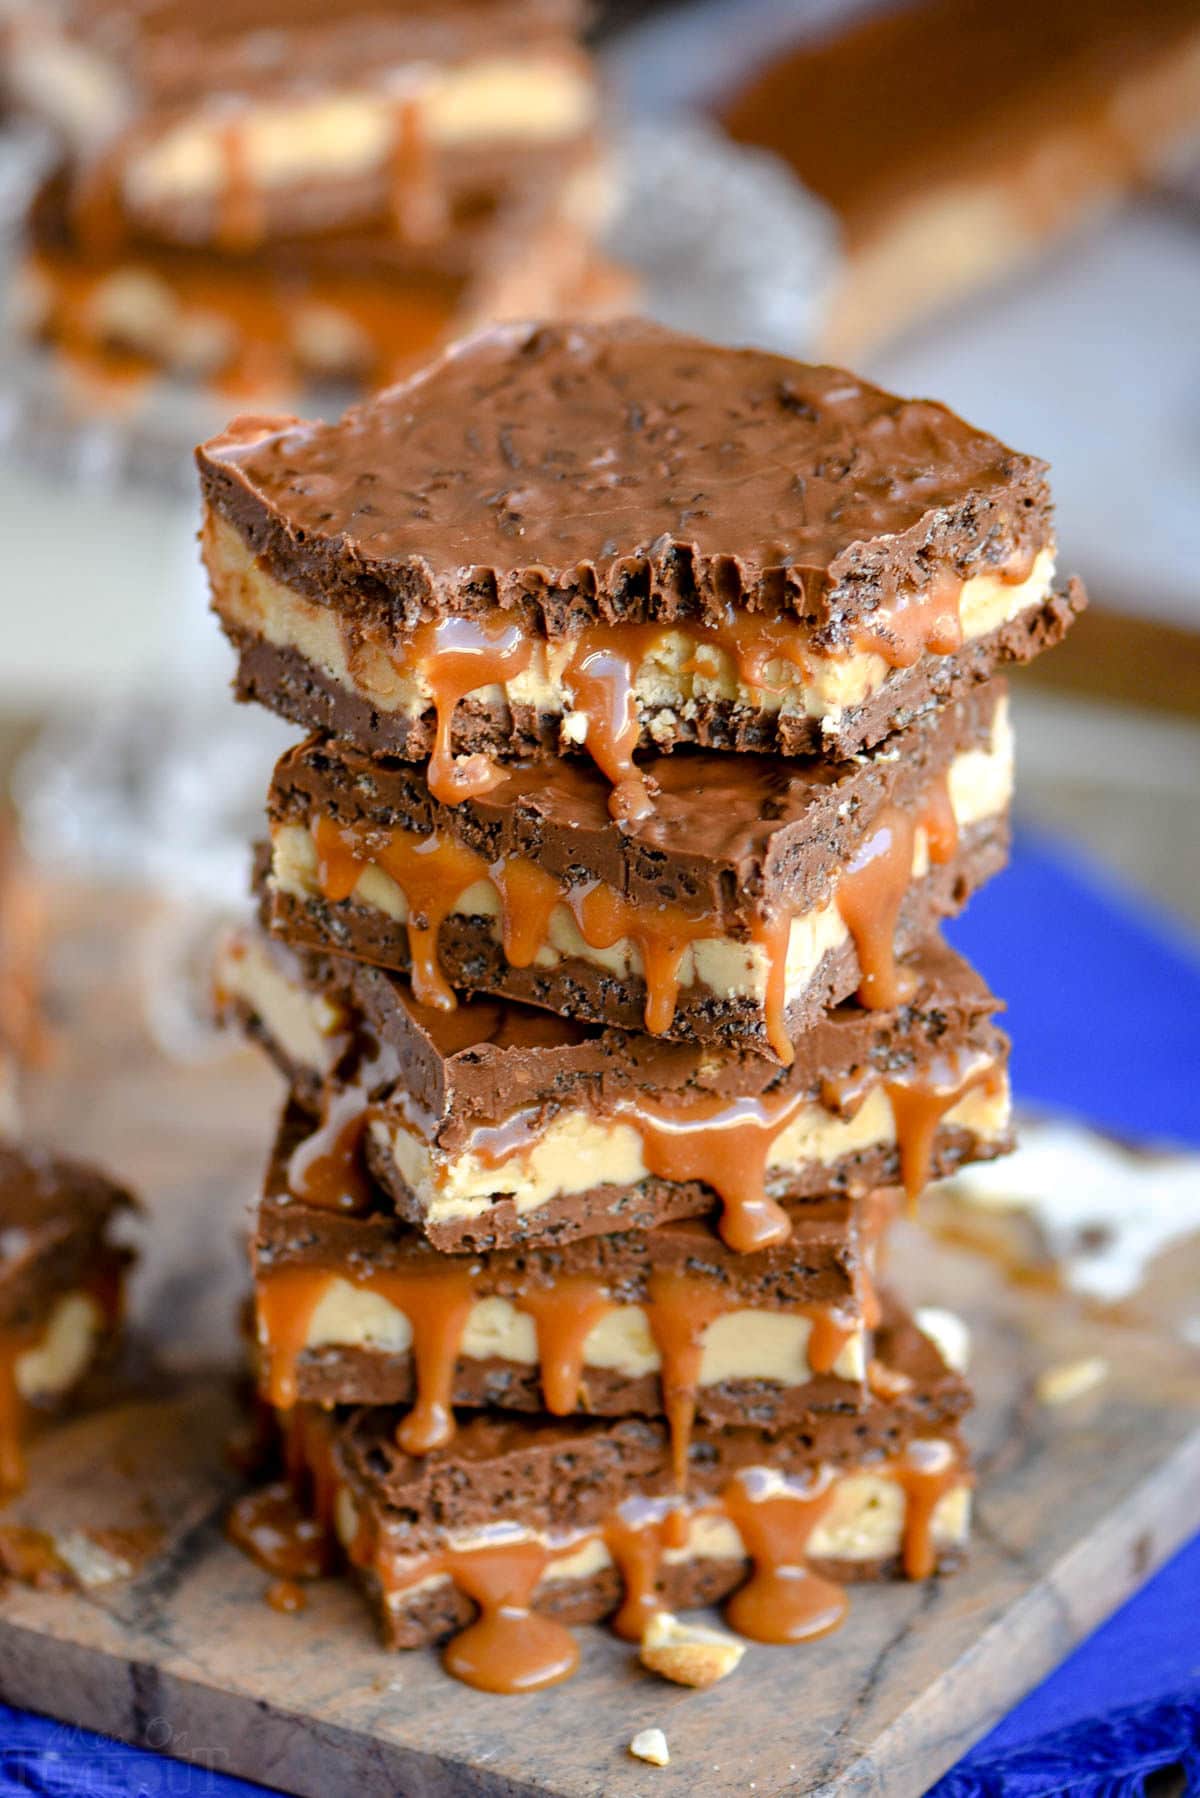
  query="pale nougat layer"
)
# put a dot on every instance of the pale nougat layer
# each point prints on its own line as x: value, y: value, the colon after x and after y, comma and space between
x: 743, y: 1344
x: 63, y: 1349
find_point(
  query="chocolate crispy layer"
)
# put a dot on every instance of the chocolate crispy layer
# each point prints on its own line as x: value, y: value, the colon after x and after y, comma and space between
x: 488, y: 1060
x: 289, y: 684
x: 55, y: 1215
x: 619, y: 473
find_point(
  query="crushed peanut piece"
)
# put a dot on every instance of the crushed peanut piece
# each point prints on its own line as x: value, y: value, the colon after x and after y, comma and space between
x: 688, y: 1653
x: 1071, y: 1379
x: 651, y: 1745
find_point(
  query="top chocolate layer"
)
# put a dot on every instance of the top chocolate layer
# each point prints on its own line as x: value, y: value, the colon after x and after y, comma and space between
x: 622, y: 472
x: 54, y: 1215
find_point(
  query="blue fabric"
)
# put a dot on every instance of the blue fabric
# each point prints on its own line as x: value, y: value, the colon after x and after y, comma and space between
x: 1060, y: 941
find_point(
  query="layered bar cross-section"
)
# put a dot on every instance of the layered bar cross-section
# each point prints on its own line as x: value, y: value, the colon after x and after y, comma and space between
x: 754, y: 893
x: 495, y: 1125
x: 609, y: 539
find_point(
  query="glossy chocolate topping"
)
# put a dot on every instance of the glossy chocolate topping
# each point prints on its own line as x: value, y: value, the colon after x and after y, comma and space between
x: 622, y: 471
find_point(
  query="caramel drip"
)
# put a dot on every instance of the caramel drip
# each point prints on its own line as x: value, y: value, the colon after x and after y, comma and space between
x: 926, y: 1473
x: 436, y: 1300
x: 915, y: 623
x: 240, y: 216
x: 636, y: 1546
x: 418, y: 205
x: 432, y: 872
x: 286, y: 1596
x: 783, y: 1600
x: 680, y: 1308
x: 308, y: 1453
x: 564, y: 1316
x: 772, y: 937
x: 938, y: 821
x: 13, y: 1344
x: 868, y: 896
x: 920, y: 1101
x: 877, y: 1211
x: 327, y: 1169
x: 510, y: 1647
x: 285, y: 1299
x: 528, y: 897
x: 831, y: 1331
x: 600, y: 680
x: 271, y: 1527
x: 726, y: 1143
x: 661, y: 934
x: 457, y: 656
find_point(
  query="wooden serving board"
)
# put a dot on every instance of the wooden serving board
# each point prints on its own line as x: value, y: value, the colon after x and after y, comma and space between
x: 1077, y: 1503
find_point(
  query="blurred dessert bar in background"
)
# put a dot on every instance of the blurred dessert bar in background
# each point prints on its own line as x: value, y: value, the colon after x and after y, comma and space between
x: 61, y: 1287
x: 263, y: 193
x: 953, y: 138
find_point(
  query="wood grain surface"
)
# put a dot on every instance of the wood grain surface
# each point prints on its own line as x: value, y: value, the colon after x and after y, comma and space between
x: 1076, y: 1502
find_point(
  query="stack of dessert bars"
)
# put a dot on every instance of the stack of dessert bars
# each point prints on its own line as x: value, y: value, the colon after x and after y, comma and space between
x: 655, y: 725
x: 266, y: 194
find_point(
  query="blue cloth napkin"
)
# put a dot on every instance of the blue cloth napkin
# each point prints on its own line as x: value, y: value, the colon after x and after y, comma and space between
x: 1064, y: 944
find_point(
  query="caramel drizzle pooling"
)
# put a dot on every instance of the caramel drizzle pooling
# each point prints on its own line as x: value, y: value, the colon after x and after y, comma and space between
x: 510, y: 1647
x: 437, y: 1301
x: 275, y: 1530
x: 783, y: 1600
